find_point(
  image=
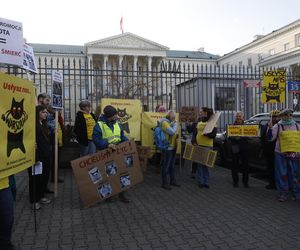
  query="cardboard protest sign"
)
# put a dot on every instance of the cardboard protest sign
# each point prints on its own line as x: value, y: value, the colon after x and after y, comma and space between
x: 11, y: 42
x: 17, y: 125
x: 212, y: 122
x: 273, y: 89
x: 57, y: 87
x: 144, y: 154
x: 289, y: 141
x: 243, y: 130
x: 188, y: 114
x: 129, y: 112
x: 199, y: 154
x: 29, y: 62
x: 106, y: 173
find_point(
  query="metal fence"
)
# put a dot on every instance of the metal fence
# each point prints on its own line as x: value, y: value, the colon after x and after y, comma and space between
x: 222, y: 89
x: 170, y: 84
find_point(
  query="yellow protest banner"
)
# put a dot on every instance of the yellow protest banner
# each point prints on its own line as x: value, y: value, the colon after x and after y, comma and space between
x: 17, y: 125
x: 243, y: 130
x: 149, y: 122
x: 129, y: 112
x: 289, y: 141
x: 273, y: 88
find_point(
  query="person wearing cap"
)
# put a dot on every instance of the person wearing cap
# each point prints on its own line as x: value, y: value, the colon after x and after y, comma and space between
x: 286, y: 163
x: 268, y: 149
x: 108, y: 133
x: 84, y: 124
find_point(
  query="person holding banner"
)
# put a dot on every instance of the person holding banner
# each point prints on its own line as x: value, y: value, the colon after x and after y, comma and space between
x: 204, y: 140
x: 169, y: 127
x: 6, y: 215
x: 239, y: 148
x: 286, y: 160
x: 84, y: 124
x: 108, y: 133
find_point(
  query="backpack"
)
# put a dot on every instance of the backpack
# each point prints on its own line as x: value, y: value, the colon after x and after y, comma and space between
x: 160, y: 139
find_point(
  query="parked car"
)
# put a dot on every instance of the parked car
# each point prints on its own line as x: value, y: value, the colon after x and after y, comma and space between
x: 255, y: 157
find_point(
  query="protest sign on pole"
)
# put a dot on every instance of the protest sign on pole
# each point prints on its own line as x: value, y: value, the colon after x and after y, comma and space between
x: 11, y: 42
x: 273, y: 89
x: 17, y: 125
x: 188, y: 114
x: 107, y: 173
x: 29, y: 62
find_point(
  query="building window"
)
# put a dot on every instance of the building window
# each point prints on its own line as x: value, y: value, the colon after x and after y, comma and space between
x: 259, y: 56
x: 249, y: 62
x: 225, y: 98
x: 298, y: 40
x: 66, y: 70
x: 286, y: 46
x: 272, y: 52
x: 240, y: 64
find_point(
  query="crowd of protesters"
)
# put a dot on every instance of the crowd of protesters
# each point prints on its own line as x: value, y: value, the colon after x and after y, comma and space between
x: 93, y: 133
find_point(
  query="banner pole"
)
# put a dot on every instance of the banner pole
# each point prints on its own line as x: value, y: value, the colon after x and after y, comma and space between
x: 56, y: 154
x: 34, y: 196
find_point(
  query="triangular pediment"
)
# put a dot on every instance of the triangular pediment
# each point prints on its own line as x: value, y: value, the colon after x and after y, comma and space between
x: 126, y: 41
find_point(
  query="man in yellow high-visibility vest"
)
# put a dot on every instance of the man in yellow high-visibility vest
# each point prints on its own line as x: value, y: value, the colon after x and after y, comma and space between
x: 108, y: 133
x: 6, y: 214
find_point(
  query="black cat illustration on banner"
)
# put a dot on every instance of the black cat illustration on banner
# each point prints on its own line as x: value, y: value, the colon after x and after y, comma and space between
x: 123, y: 119
x: 15, y: 119
x: 273, y: 92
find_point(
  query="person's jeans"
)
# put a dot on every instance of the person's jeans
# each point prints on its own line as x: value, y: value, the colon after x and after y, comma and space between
x: 202, y: 174
x: 287, y: 175
x: 6, y: 217
x: 168, y: 166
x: 87, y: 150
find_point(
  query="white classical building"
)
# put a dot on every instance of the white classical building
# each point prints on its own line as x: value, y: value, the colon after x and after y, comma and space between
x: 280, y: 48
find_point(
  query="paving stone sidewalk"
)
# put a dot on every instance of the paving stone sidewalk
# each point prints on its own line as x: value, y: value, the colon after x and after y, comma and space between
x: 188, y: 217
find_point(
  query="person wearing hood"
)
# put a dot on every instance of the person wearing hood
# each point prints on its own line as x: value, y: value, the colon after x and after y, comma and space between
x: 286, y: 163
x: 108, y: 133
x: 170, y: 129
x: 83, y: 128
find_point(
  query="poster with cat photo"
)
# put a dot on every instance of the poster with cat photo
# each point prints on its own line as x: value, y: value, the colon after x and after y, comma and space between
x: 17, y: 124
x: 129, y: 113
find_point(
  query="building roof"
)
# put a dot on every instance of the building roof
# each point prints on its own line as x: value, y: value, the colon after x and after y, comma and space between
x: 57, y: 48
x: 261, y: 39
x: 190, y: 54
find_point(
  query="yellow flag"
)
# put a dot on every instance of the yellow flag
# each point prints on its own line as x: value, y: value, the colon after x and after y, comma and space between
x: 17, y: 125
x: 129, y: 113
x: 273, y: 88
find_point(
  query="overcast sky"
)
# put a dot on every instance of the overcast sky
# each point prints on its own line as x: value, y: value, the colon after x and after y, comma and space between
x: 219, y: 26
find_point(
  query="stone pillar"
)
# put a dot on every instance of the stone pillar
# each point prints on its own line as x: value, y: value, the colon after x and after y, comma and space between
x: 149, y: 63
x: 135, y: 59
x: 120, y: 61
x: 105, y: 77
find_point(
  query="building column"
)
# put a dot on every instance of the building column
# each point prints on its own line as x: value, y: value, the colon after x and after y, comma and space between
x: 120, y: 61
x: 150, y: 63
x: 135, y: 60
x: 91, y: 80
x: 104, y: 72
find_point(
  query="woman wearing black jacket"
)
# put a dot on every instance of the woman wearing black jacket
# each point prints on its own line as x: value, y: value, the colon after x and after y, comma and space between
x: 38, y: 183
x: 83, y: 128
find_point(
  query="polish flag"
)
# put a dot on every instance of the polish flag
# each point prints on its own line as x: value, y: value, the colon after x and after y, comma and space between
x: 121, y: 25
